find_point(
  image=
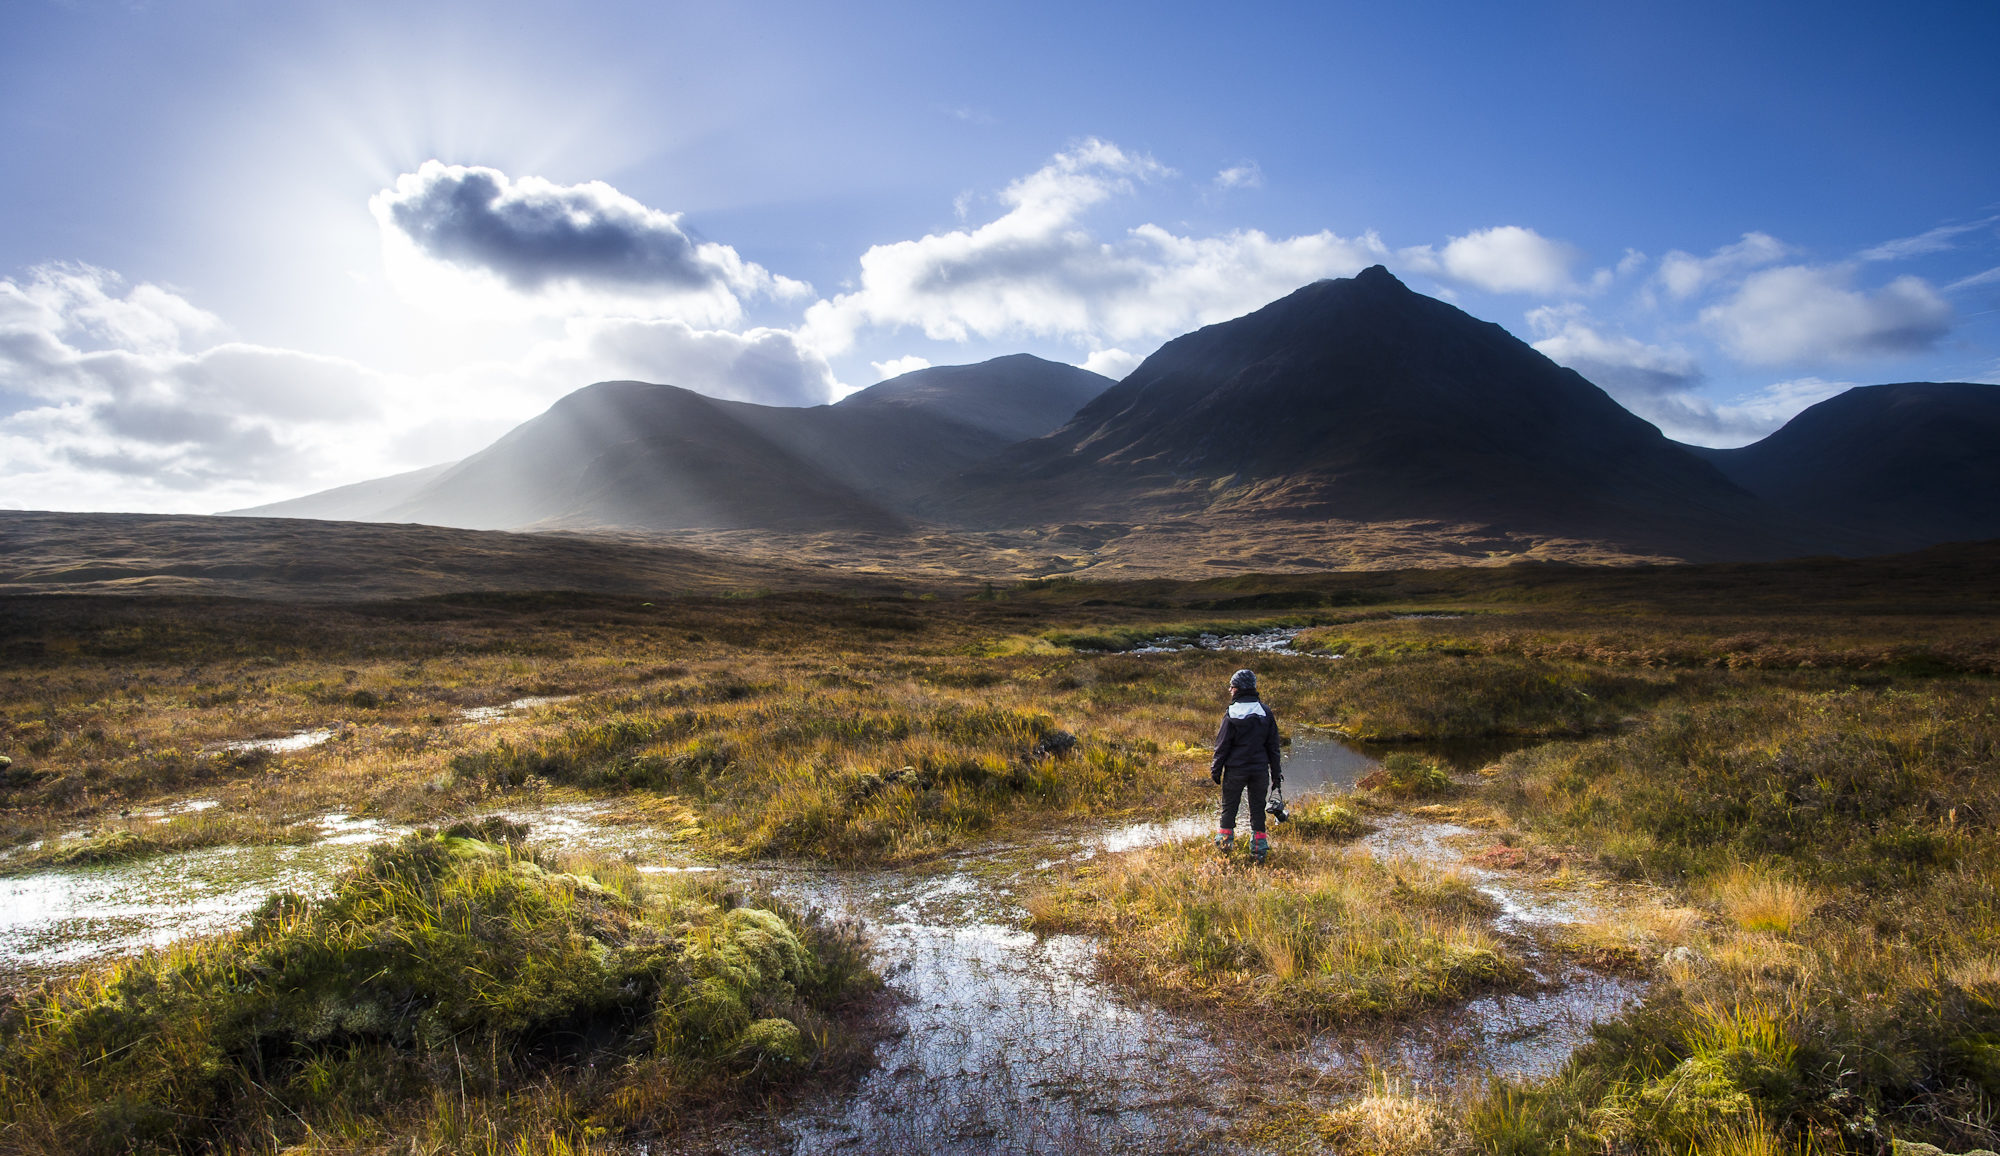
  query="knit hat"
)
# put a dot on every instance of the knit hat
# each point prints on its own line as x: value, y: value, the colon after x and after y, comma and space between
x: 1243, y: 680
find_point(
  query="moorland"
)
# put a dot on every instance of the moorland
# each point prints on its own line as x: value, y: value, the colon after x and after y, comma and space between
x: 1764, y: 794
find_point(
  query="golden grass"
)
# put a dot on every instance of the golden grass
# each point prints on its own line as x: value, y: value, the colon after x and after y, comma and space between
x: 1318, y: 934
x: 1389, y: 1121
x: 1756, y: 900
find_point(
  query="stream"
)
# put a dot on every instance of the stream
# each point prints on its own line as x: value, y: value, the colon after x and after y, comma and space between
x: 1003, y: 1041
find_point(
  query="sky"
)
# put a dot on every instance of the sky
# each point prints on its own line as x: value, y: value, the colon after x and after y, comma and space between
x: 252, y: 250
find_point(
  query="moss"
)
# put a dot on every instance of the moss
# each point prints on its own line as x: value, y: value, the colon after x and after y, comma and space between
x: 461, y: 958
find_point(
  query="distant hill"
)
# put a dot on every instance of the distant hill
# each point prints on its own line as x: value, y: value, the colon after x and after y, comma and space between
x: 1907, y: 464
x: 634, y: 455
x: 1352, y: 423
x: 1360, y: 399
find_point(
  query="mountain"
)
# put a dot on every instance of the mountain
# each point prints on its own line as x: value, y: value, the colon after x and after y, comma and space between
x: 1017, y: 397
x: 635, y: 455
x: 1360, y: 399
x: 1907, y: 464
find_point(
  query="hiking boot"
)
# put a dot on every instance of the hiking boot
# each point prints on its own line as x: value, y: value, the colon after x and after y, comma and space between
x: 1259, y: 848
x: 1224, y: 840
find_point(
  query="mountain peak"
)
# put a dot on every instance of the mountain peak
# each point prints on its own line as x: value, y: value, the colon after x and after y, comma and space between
x: 1362, y: 399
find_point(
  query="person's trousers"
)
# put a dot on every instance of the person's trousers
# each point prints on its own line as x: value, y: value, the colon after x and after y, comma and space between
x: 1234, y: 783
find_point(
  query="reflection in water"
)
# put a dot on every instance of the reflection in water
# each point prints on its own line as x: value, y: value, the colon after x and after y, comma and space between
x: 1315, y: 764
x: 485, y: 714
x: 1009, y: 1042
x: 283, y: 745
x: 52, y: 918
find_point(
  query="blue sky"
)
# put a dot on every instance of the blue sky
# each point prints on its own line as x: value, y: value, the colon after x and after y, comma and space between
x: 248, y: 250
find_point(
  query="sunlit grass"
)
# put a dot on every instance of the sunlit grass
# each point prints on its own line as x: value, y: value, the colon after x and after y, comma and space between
x: 1318, y: 934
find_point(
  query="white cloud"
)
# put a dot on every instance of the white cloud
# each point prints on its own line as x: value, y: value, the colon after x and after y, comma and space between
x: 1504, y: 259
x: 113, y: 401
x: 1037, y: 270
x: 1244, y: 176
x: 1660, y: 383
x: 1627, y: 368
x: 1113, y: 363
x: 1986, y: 278
x: 766, y: 366
x: 1745, y: 419
x: 1935, y: 240
x: 124, y: 398
x: 472, y: 242
x: 898, y: 366
x: 1684, y: 274
x: 1800, y: 313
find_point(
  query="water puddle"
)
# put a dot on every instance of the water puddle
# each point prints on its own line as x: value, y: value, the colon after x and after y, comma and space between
x: 55, y: 918
x: 1318, y: 764
x: 1277, y: 640
x: 284, y: 744
x: 486, y: 714
x: 338, y: 830
x: 184, y: 807
x: 1007, y: 1042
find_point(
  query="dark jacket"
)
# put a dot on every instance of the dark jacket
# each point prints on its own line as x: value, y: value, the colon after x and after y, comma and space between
x: 1247, y: 740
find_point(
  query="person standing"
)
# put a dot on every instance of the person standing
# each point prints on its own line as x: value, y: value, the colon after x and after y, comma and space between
x: 1246, y: 759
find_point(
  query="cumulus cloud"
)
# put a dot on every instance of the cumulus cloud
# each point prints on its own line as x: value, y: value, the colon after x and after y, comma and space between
x: 1747, y: 418
x: 472, y: 239
x: 1684, y: 274
x: 132, y: 398
x: 898, y: 366
x: 1244, y: 176
x: 1038, y: 271
x: 1627, y: 368
x: 133, y: 386
x: 1504, y: 259
x: 1800, y: 313
x: 1113, y: 363
x: 1662, y: 383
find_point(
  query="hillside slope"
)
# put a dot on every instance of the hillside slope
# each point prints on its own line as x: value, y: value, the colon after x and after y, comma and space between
x: 1907, y: 464
x: 1362, y: 400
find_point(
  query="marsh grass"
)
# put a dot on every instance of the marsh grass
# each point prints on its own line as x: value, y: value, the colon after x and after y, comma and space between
x: 584, y: 1000
x: 1842, y: 991
x: 1403, y: 775
x: 134, y: 838
x: 1807, y: 782
x: 1320, y: 934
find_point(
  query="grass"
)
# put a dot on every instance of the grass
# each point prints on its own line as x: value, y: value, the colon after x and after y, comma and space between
x: 1796, y: 762
x: 1843, y: 992
x: 568, y: 1004
x: 1319, y: 934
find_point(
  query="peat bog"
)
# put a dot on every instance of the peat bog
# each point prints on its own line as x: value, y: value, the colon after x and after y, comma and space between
x: 1654, y: 859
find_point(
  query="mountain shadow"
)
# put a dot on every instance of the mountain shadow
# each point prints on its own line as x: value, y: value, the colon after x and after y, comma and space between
x: 1906, y: 465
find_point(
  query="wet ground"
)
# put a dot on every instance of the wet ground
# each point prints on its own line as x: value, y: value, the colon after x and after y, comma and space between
x: 1003, y: 1041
